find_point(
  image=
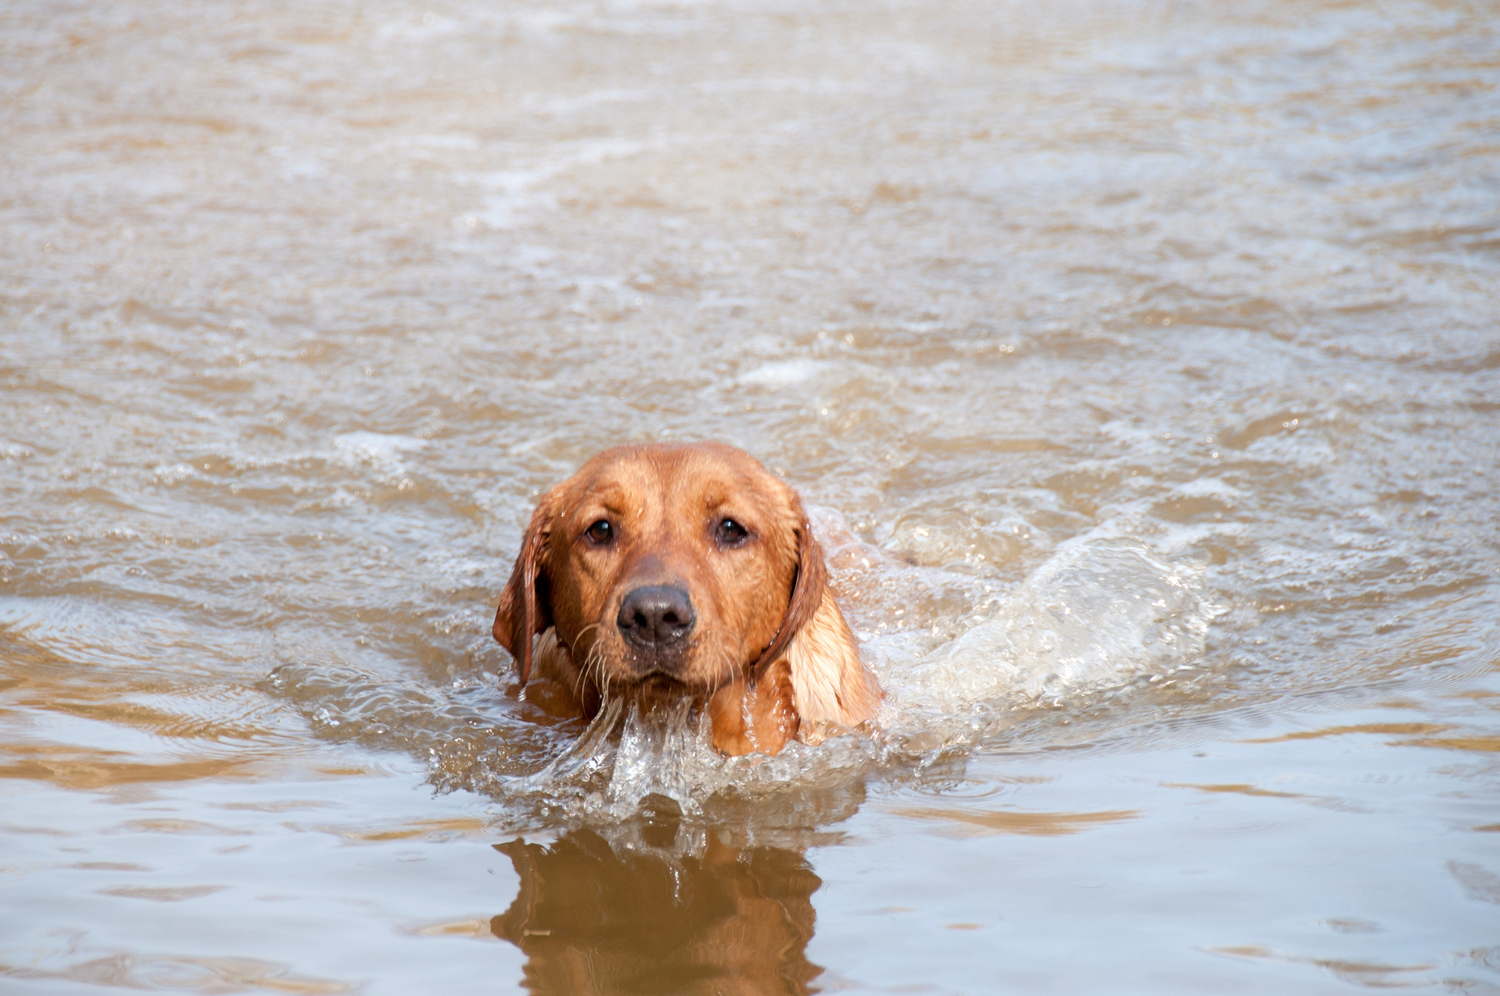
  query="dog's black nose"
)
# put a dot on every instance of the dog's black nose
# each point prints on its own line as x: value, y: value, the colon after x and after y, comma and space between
x: 656, y: 617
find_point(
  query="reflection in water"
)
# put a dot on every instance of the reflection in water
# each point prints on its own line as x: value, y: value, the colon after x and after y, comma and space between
x: 597, y: 918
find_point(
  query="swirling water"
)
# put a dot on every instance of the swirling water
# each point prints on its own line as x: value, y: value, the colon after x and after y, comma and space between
x: 1139, y: 361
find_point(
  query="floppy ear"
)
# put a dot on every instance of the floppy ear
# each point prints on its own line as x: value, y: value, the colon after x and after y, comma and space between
x: 831, y: 687
x: 807, y: 596
x: 525, y: 605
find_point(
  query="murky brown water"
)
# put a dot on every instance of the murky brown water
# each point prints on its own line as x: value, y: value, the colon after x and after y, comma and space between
x: 1150, y: 351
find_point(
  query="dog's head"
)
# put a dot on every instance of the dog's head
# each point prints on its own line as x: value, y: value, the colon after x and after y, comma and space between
x: 664, y: 565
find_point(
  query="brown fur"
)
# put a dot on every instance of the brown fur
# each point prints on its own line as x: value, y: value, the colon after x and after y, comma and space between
x: 769, y: 651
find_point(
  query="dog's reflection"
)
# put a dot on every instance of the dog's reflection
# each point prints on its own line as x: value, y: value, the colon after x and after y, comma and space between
x: 599, y: 919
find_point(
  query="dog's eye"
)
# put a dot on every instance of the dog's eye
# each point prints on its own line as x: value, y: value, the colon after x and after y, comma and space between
x: 730, y: 533
x: 600, y: 533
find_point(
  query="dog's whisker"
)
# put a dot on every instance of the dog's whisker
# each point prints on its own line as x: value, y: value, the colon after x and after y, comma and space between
x: 573, y: 644
x: 581, y: 671
x: 594, y: 667
x: 727, y: 669
x: 581, y: 677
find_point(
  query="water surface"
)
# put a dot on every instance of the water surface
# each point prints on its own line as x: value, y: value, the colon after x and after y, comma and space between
x: 1139, y: 361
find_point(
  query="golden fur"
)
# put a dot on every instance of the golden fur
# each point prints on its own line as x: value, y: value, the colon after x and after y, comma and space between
x: 763, y: 644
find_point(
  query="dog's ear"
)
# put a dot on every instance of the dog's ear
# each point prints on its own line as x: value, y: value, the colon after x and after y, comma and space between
x: 807, y: 596
x: 832, y: 690
x: 526, y: 605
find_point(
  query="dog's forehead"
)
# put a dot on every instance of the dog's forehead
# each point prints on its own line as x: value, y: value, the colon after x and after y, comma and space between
x: 672, y: 485
x: 631, y: 478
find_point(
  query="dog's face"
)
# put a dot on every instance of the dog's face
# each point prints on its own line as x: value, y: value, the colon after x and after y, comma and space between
x: 666, y: 570
x: 663, y: 567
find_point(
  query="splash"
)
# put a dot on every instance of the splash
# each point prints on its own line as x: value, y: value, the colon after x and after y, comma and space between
x: 1098, y: 613
x: 631, y: 753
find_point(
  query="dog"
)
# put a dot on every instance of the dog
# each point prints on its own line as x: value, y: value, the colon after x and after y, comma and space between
x: 686, y: 570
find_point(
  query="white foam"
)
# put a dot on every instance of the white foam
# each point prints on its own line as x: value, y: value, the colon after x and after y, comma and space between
x: 384, y: 451
x: 1101, y: 611
x: 170, y: 474
x: 782, y: 373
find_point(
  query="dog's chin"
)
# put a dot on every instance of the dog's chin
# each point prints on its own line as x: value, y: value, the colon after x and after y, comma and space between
x: 658, y: 685
x: 658, y: 688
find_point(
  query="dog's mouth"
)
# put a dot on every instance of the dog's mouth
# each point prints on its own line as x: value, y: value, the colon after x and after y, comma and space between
x: 658, y: 687
x: 668, y: 670
x: 657, y: 675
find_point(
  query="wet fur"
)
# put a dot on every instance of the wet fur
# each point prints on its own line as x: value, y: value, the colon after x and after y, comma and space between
x: 770, y: 654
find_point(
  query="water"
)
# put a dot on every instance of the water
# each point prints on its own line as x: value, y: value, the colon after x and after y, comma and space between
x: 1139, y: 361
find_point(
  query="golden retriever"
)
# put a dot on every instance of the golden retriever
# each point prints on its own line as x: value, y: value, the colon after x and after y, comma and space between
x: 686, y: 570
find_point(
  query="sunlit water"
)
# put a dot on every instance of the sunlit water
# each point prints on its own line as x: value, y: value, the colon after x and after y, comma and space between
x: 1141, y: 363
